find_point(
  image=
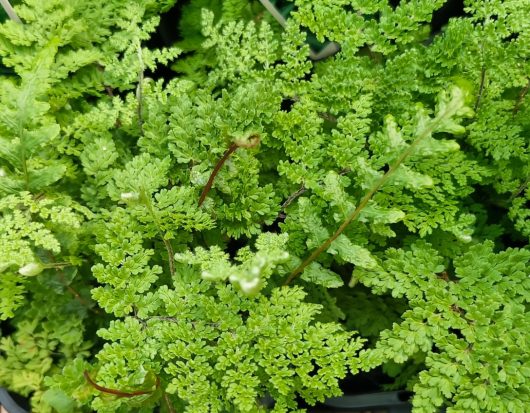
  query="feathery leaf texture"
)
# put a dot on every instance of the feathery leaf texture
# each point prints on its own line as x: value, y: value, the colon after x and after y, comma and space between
x: 388, y: 186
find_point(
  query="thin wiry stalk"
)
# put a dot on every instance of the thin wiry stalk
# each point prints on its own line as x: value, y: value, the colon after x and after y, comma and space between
x: 252, y: 142
x: 168, y: 402
x: 59, y: 267
x: 293, y: 196
x: 519, y: 190
x: 330, y: 49
x: 520, y: 98
x: 215, y: 171
x: 116, y: 392
x: 167, y: 243
x: 364, y: 201
x: 10, y: 11
x: 481, y: 88
x: 171, y: 254
x: 139, y: 90
x: 274, y: 12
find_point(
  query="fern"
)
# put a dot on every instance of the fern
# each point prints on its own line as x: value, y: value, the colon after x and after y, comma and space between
x: 473, y: 343
x: 255, y: 223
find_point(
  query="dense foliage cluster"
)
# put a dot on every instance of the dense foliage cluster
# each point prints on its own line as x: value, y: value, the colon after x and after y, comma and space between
x: 199, y: 225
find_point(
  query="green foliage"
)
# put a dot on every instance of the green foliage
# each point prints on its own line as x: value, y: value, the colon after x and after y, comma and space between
x: 254, y: 270
x: 471, y: 323
x: 370, y: 209
x: 26, y: 129
x: 34, y: 233
x: 49, y: 332
x: 226, y: 349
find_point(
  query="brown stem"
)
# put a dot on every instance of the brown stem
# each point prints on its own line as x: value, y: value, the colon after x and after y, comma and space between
x: 168, y: 403
x: 481, y: 88
x: 293, y: 196
x: 79, y: 298
x: 116, y: 392
x: 300, y: 191
x: 364, y: 201
x: 170, y: 320
x: 520, y: 98
x: 519, y: 190
x: 164, y: 318
x: 58, y: 265
x: 71, y: 289
x: 215, y: 171
x: 171, y: 254
x: 252, y: 141
x: 139, y: 90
